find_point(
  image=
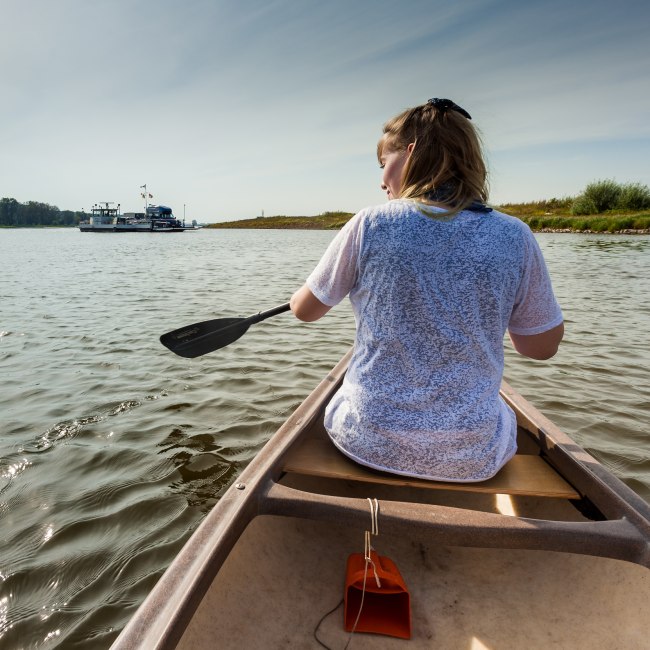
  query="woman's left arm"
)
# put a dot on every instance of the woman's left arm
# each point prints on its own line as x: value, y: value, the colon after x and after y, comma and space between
x: 306, y: 307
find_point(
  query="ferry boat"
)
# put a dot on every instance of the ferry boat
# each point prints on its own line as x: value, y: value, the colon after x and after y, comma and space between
x: 106, y: 218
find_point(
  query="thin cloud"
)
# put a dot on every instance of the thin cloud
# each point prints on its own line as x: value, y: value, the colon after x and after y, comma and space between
x: 233, y: 107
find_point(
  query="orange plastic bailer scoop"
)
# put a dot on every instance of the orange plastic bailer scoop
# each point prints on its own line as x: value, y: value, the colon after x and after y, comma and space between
x: 386, y: 608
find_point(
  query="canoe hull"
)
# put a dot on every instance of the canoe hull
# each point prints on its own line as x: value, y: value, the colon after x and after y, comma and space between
x: 521, y: 547
x: 287, y: 573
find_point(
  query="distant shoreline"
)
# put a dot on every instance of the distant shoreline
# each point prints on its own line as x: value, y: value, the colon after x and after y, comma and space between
x: 541, y: 217
x: 548, y: 222
x: 627, y: 231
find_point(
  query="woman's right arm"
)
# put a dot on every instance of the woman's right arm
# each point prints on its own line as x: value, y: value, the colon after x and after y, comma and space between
x: 333, y: 277
x: 306, y: 307
x: 538, y: 346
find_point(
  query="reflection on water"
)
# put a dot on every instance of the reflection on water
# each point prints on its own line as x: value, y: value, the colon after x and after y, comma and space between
x: 112, y: 449
x: 614, y: 244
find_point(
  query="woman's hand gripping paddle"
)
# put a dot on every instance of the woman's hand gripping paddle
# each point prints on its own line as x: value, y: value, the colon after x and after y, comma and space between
x: 209, y: 335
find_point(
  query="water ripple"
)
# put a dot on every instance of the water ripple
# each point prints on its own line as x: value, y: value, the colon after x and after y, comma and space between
x: 68, y: 429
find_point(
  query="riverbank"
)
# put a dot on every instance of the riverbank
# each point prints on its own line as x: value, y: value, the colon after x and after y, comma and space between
x: 325, y: 221
x: 541, y: 216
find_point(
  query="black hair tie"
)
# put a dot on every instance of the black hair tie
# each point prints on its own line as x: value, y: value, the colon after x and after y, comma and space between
x: 442, y: 194
x: 445, y: 105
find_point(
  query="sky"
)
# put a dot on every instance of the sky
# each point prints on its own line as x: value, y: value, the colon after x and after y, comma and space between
x: 227, y: 109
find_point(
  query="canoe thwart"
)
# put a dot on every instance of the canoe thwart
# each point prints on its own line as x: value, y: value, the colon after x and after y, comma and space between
x: 449, y: 526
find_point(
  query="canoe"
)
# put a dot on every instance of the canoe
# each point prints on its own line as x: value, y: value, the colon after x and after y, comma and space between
x: 552, y: 552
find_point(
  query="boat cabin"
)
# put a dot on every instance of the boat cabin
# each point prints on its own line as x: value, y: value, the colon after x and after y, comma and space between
x: 162, y: 216
x: 103, y: 213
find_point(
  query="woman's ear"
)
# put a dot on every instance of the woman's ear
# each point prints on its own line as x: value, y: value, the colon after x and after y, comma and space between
x: 409, y: 149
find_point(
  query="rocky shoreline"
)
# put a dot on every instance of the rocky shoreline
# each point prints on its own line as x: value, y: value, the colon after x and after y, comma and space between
x: 626, y: 231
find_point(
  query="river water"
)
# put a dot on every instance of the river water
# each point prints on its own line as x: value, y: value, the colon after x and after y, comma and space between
x: 112, y: 449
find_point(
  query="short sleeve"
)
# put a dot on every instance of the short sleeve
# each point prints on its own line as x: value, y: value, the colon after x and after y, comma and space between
x: 336, y: 273
x: 535, y: 310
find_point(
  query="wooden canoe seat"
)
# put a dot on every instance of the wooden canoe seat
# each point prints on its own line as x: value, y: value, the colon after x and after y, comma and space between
x: 523, y: 475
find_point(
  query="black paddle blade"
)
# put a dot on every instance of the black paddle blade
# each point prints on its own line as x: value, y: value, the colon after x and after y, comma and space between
x: 209, y: 335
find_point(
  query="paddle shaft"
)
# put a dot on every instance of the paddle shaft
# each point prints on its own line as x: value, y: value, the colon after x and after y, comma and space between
x: 263, y: 315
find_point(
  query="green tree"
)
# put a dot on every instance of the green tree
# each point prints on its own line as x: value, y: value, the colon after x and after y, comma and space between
x: 8, y: 212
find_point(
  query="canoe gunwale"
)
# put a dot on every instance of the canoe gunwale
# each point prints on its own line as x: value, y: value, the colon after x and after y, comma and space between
x: 160, y: 621
x: 162, y: 618
x: 586, y: 474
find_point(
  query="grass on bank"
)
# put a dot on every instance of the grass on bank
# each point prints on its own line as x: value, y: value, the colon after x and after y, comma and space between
x: 603, y: 206
x: 556, y: 214
x: 553, y: 214
x: 325, y: 221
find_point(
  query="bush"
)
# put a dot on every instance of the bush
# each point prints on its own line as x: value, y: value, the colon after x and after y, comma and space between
x: 634, y: 196
x: 604, y: 194
x: 583, y: 205
x: 601, y: 196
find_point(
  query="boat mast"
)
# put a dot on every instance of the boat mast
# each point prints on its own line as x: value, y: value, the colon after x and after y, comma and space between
x: 145, y: 197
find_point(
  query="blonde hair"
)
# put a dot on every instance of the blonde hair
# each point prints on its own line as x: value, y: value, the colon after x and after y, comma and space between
x: 446, y: 164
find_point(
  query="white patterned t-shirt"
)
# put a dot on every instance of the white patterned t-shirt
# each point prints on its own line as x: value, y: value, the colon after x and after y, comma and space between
x: 433, y: 297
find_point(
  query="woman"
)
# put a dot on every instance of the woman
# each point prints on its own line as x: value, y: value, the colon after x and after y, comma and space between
x: 435, y: 278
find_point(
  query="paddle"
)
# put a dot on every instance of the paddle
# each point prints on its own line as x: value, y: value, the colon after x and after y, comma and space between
x: 210, y: 335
